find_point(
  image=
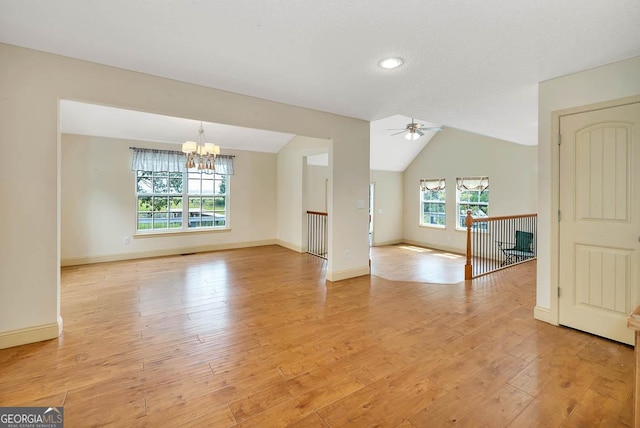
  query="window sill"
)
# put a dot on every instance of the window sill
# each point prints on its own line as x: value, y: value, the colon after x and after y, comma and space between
x: 433, y: 226
x: 163, y: 233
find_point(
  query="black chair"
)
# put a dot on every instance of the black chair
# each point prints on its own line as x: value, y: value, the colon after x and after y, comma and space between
x: 520, y: 251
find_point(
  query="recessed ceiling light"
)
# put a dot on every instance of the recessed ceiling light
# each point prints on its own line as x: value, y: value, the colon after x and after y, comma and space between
x: 390, y: 63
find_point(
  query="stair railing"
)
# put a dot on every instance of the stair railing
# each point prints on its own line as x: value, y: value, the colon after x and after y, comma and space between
x: 317, y: 233
x: 495, y: 243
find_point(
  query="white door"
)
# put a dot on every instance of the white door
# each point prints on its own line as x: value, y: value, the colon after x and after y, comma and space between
x: 600, y: 220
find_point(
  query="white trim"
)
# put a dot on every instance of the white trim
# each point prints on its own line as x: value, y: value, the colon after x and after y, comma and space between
x: 30, y: 335
x: 348, y: 273
x: 73, y: 261
x: 290, y: 246
x: 435, y: 247
x: 151, y: 233
x: 392, y: 242
x: 542, y: 314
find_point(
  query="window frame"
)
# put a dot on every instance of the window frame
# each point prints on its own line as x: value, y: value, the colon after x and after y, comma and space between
x: 442, y: 202
x: 481, y: 226
x: 186, y: 196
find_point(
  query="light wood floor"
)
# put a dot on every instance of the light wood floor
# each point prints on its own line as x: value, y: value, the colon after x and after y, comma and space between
x: 256, y: 338
x: 417, y: 264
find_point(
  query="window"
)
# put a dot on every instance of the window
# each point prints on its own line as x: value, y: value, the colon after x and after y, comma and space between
x: 207, y: 200
x: 472, y: 194
x: 165, y: 199
x: 433, y: 202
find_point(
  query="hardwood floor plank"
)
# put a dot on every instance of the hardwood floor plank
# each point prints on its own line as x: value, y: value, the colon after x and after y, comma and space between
x: 388, y: 399
x: 545, y: 412
x: 466, y: 396
x: 257, y: 337
x: 202, y: 411
x: 498, y: 409
x: 303, y: 405
x: 595, y: 410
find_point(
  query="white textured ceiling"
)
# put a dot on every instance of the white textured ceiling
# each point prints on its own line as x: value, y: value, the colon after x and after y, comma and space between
x: 90, y: 119
x: 473, y: 65
x: 104, y: 121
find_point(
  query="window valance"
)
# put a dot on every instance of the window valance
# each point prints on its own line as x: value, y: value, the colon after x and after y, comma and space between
x: 472, y: 183
x: 173, y: 161
x: 433, y: 184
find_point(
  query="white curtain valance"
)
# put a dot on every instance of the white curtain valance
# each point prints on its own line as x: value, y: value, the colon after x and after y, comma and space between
x: 433, y: 184
x: 173, y: 161
x: 472, y: 183
x: 157, y: 160
x: 224, y: 164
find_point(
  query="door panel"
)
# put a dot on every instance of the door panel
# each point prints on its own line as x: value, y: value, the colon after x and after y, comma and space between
x: 600, y: 220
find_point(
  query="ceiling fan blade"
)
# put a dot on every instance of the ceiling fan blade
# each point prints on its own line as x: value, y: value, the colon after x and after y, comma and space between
x: 401, y: 132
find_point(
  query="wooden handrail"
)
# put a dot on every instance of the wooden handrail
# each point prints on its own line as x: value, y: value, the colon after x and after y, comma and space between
x: 634, y: 323
x: 316, y: 212
x: 504, y: 217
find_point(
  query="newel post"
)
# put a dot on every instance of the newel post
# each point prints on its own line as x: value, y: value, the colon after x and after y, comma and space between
x: 467, y: 267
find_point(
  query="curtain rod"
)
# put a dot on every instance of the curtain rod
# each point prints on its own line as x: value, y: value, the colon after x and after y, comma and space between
x: 176, y: 151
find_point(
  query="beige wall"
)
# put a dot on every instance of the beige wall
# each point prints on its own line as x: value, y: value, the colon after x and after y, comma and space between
x: 292, y: 197
x: 31, y: 85
x: 317, y: 177
x: 452, y: 153
x: 388, y: 208
x: 99, y: 211
x: 609, y: 82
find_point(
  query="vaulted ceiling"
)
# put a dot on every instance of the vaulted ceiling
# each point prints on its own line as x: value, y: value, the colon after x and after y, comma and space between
x: 473, y: 65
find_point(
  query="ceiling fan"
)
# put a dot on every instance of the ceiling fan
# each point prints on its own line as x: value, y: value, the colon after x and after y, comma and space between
x: 415, y: 130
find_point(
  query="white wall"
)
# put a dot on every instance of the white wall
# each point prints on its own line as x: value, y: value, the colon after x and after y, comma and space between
x: 388, y: 207
x: 291, y: 185
x: 31, y: 84
x: 99, y: 210
x: 609, y: 82
x: 452, y: 153
x: 317, y: 177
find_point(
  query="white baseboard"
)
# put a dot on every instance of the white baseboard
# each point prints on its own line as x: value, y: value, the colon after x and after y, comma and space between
x: 74, y: 261
x: 392, y: 242
x: 435, y: 247
x: 542, y: 314
x: 348, y: 273
x: 290, y: 246
x: 30, y: 335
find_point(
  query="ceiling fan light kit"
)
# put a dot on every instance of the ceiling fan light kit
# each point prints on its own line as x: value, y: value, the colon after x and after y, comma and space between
x: 414, y: 135
x: 414, y: 130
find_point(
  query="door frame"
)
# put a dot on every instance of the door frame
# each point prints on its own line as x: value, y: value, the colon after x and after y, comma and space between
x: 554, y: 256
x: 372, y: 202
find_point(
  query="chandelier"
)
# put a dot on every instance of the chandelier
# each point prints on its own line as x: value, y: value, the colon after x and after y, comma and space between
x: 201, y: 154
